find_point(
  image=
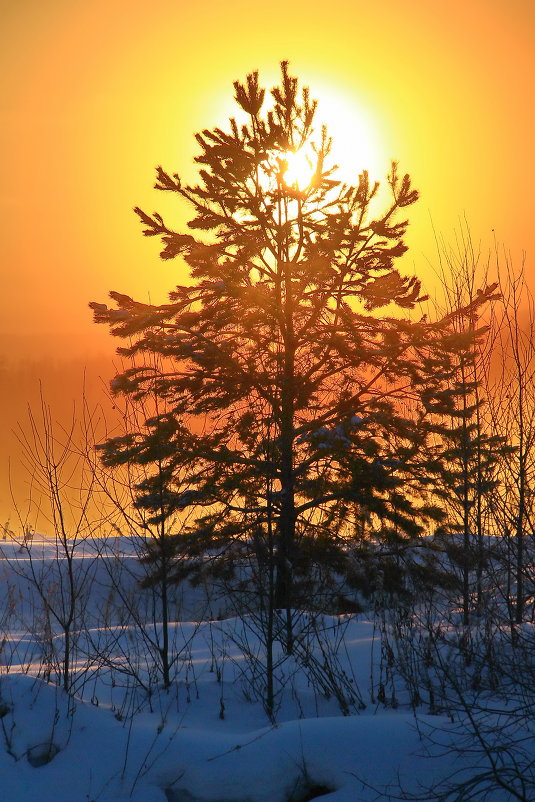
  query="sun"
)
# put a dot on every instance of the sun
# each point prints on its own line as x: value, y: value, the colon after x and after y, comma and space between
x: 357, y: 145
x: 300, y: 167
x: 357, y: 142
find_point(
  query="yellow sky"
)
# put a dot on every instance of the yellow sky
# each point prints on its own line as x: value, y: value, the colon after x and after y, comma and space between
x: 96, y: 93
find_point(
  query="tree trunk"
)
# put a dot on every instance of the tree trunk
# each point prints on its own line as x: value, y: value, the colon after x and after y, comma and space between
x: 286, y: 533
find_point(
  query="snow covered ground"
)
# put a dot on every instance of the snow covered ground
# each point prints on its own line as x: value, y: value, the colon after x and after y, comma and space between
x: 120, y: 736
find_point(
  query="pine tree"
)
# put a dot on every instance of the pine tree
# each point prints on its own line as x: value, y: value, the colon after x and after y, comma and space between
x: 469, y: 470
x: 293, y: 403
x: 471, y: 451
x: 513, y: 417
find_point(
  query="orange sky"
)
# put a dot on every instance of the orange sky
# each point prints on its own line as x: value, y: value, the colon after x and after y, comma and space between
x: 96, y: 93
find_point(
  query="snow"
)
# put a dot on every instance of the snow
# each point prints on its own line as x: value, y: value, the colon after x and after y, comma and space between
x: 207, y: 738
x: 190, y: 750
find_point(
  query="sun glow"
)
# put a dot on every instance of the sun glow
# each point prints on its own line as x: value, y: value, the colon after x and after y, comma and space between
x: 357, y: 143
x: 300, y: 167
